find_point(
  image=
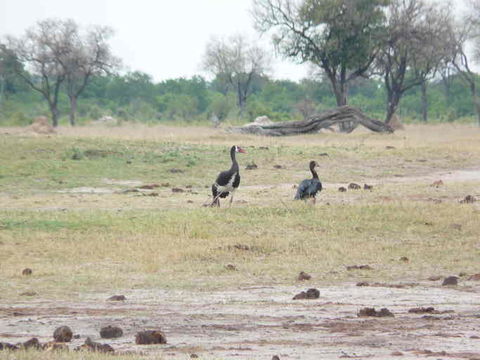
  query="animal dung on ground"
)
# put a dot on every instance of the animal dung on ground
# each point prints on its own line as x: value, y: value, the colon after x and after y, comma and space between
x: 111, y: 332
x: 63, y: 334
x: 55, y: 346
x: 117, y: 298
x: 354, y: 186
x: 422, y: 310
x: 27, y: 272
x: 177, y: 190
x: 323, y: 154
x: 7, y: 346
x: 450, y: 280
x: 389, y: 147
x: 359, y: 267
x: 176, y: 171
x: 33, y: 343
x: 365, y: 312
x: 251, y: 166
x: 303, y: 276
x: 29, y: 293
x: 150, y: 337
x: 342, y: 189
x: 469, y: 199
x: 367, y: 187
x: 474, y: 277
x: 149, y: 186
x: 309, y: 294
x: 93, y: 346
x: 404, y: 259
x: 278, y: 167
x: 437, y: 183
x: 231, y: 267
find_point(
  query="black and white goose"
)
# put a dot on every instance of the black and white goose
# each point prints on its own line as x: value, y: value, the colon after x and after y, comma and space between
x: 227, y: 181
x: 309, y: 188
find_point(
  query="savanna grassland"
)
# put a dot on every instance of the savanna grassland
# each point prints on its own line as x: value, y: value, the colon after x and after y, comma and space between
x: 72, y: 209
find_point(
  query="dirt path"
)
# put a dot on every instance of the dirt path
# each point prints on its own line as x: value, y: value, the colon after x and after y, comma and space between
x: 259, y: 322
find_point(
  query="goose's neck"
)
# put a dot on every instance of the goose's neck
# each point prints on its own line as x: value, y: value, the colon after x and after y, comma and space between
x: 314, y: 173
x: 234, y: 159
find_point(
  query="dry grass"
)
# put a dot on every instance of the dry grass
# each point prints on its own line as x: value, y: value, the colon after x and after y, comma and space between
x: 78, y: 242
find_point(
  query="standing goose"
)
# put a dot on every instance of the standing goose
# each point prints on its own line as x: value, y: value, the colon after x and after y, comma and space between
x: 227, y: 181
x: 308, y: 188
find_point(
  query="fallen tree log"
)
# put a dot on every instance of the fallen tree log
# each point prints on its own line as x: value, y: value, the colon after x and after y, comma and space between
x: 349, y: 116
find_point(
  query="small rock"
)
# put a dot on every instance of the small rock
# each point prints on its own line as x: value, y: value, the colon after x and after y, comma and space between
x: 151, y: 194
x: 176, y: 171
x: 231, y: 267
x: 55, y: 346
x: 251, y: 166
x: 263, y: 148
x: 189, y: 201
x: 469, y: 199
x: 33, y: 343
x: 27, y: 272
x: 177, y: 190
x: 278, y: 167
x: 193, y: 356
x: 450, y: 280
x: 389, y: 147
x: 342, y: 189
x: 63, y: 334
x: 474, y: 277
x: 323, y: 154
x: 303, y: 276
x: 110, y: 332
x: 404, y: 259
x: 150, y: 337
x: 117, y: 298
x: 359, y: 267
x: 437, y: 183
x: 367, y: 187
x: 435, y: 277
x: 309, y: 294
x: 76, y: 336
x: 397, y: 353
x: 354, y: 186
x: 363, y: 283
x: 7, y: 346
x: 93, y: 346
x: 422, y: 310
x: 149, y: 186
x: 384, y: 312
x: 275, y: 357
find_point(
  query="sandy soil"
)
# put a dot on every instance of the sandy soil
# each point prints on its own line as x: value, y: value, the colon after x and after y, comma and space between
x: 259, y: 322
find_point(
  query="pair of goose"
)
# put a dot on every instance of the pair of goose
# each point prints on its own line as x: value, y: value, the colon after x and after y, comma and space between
x: 228, y: 181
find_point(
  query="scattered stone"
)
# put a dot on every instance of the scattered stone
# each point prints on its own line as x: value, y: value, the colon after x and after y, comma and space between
x: 323, y: 154
x: 359, y: 267
x: 392, y: 286
x: 149, y: 186
x: 189, y: 201
x: 422, y: 310
x: 177, y: 190
x: 33, y: 343
x: 117, y: 298
x: 363, y: 283
x: 309, y: 294
x: 251, y: 166
x: 193, y: 356
x: 151, y: 194
x: 384, y: 312
x: 275, y: 357
x: 176, y: 171
x: 469, y: 199
x: 404, y: 259
x: 231, y: 267
x: 93, y: 346
x: 63, y: 334
x: 354, y: 186
x: 389, y: 147
x: 367, y: 187
x: 474, y: 277
x: 278, y: 167
x: 7, y: 346
x: 437, y: 183
x: 150, y: 337
x: 435, y: 277
x: 450, y: 280
x: 303, y: 276
x: 29, y: 293
x: 55, y: 346
x: 342, y: 189
x: 110, y: 332
x: 27, y: 272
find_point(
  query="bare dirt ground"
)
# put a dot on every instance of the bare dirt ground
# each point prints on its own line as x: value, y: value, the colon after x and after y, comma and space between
x: 259, y: 322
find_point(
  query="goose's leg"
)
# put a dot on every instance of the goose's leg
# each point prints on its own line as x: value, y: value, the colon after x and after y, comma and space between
x: 216, y: 200
x: 231, y: 200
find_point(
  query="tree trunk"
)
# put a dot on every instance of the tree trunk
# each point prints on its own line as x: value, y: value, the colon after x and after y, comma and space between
x: 476, y: 100
x: 340, y: 90
x: 55, y: 114
x: 73, y: 110
x: 424, y: 101
x: 393, y: 99
x: 337, y: 116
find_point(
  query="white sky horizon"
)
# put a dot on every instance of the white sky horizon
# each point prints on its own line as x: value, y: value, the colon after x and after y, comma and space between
x: 163, y: 38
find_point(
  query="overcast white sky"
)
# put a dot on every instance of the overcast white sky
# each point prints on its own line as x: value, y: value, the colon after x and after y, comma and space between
x: 164, y: 38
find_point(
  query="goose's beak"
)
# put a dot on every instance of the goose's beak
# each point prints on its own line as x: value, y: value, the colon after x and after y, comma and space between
x: 240, y: 150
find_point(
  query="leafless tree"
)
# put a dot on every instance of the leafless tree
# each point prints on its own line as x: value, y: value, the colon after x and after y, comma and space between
x: 417, y: 45
x: 38, y: 51
x: 89, y: 55
x: 237, y: 63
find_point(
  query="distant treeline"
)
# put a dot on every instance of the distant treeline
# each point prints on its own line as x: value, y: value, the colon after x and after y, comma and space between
x: 136, y: 97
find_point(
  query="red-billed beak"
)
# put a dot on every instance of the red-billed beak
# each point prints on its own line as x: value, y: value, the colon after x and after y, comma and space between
x: 240, y: 150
